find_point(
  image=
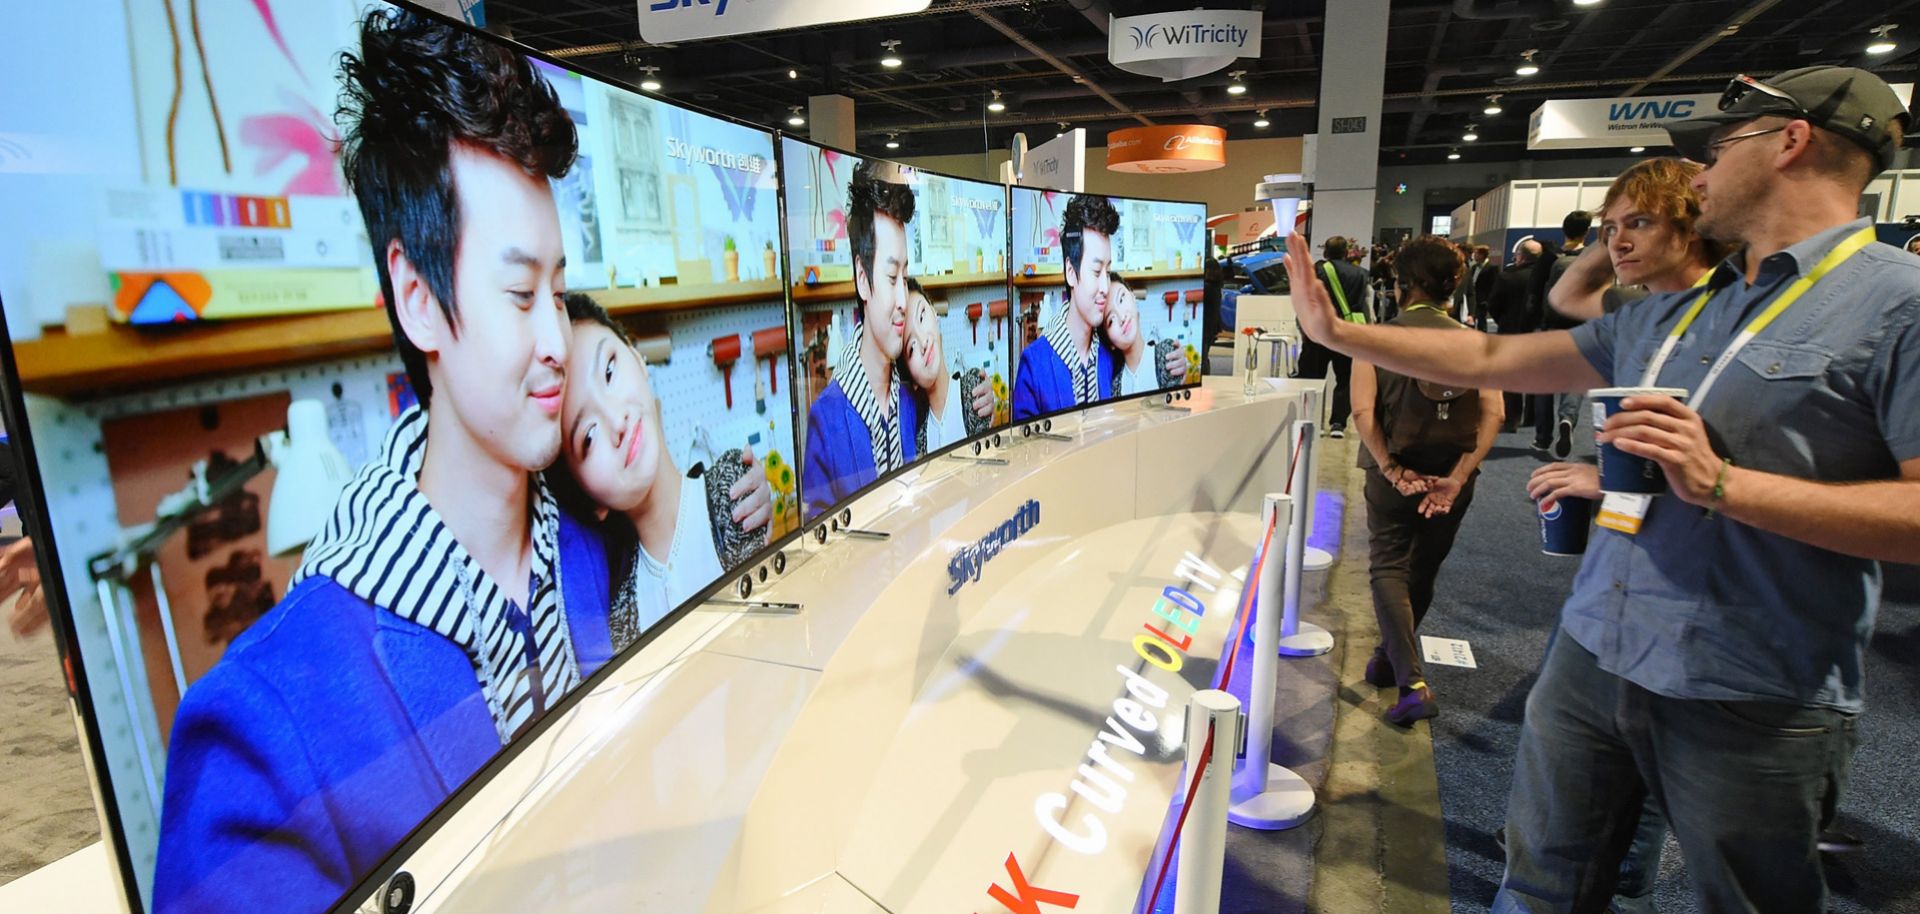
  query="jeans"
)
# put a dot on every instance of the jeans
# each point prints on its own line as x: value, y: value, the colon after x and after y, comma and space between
x: 1546, y: 415
x: 1640, y: 871
x: 1744, y: 784
x: 1404, y: 555
x: 1313, y: 364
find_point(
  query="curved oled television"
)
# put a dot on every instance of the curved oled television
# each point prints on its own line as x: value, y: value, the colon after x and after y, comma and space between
x: 900, y: 293
x: 1110, y: 292
x: 295, y: 652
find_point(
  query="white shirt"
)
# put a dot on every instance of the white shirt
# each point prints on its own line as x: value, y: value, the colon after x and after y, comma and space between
x: 691, y: 562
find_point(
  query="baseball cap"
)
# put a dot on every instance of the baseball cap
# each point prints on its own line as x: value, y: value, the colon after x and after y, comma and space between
x: 1845, y: 100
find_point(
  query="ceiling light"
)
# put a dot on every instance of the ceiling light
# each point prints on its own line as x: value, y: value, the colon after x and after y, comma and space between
x: 1470, y: 135
x: 996, y: 106
x: 652, y: 81
x: 891, y: 58
x: 1528, y: 66
x: 1453, y: 156
x: 1237, y: 87
x: 794, y: 119
x: 893, y: 142
x: 1638, y: 149
x: 1882, y: 40
x: 1262, y: 121
x: 1493, y: 105
x: 1587, y: 2
x: 793, y: 74
x: 1063, y: 128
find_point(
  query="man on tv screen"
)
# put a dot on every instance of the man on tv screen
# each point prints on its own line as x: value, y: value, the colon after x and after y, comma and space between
x: 863, y: 424
x: 1069, y: 365
x: 448, y: 604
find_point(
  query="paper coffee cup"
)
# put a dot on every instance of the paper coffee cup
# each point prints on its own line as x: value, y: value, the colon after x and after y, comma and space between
x: 1563, y: 527
x: 1620, y: 471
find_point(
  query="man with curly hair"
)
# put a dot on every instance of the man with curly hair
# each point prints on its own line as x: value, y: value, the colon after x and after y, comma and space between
x: 1069, y: 365
x: 448, y: 604
x: 863, y: 423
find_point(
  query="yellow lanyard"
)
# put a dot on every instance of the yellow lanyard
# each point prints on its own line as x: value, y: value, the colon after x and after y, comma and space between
x: 1839, y: 255
x: 1420, y: 305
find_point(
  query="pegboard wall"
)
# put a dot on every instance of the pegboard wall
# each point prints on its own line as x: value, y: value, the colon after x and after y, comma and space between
x: 360, y: 408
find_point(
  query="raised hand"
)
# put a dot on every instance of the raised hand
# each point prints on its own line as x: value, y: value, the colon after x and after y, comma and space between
x: 752, y: 496
x: 1311, y: 305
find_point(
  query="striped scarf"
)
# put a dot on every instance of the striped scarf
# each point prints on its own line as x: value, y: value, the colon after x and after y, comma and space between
x: 882, y: 427
x: 1085, y: 376
x: 386, y: 545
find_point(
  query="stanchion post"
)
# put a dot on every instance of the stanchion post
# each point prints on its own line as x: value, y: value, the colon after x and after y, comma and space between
x: 1316, y: 558
x: 1203, y: 842
x: 1299, y: 638
x: 1267, y: 796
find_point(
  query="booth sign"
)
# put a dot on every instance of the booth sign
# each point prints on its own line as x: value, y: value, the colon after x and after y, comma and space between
x: 1642, y: 120
x: 1183, y: 45
x: 1170, y: 149
x: 665, y: 21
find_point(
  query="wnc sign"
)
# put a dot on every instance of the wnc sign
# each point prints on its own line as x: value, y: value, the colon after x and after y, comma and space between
x: 1583, y: 123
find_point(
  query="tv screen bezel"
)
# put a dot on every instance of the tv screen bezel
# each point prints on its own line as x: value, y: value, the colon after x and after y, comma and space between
x: 826, y: 517
x: 1013, y: 289
x: 64, y: 623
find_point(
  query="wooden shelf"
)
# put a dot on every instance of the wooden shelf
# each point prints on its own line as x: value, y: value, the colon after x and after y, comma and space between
x: 124, y: 357
x: 1134, y: 277
x: 840, y: 291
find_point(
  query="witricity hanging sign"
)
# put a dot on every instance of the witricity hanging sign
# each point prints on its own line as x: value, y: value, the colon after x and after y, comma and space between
x: 667, y: 21
x: 1182, y: 45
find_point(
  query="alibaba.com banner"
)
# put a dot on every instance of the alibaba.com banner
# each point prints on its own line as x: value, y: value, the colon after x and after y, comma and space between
x: 663, y: 21
x: 1183, y: 45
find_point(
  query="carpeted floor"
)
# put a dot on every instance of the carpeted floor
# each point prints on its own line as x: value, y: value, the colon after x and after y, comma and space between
x: 46, y: 807
x: 1501, y: 594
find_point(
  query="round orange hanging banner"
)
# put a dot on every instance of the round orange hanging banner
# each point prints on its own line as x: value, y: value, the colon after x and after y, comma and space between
x: 1174, y: 149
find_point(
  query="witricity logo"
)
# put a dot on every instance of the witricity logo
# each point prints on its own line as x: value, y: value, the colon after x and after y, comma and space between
x: 664, y: 6
x: 1176, y: 35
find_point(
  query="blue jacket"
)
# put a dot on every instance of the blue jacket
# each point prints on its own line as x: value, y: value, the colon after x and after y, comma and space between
x: 838, y: 459
x: 1043, y: 383
x: 324, y: 735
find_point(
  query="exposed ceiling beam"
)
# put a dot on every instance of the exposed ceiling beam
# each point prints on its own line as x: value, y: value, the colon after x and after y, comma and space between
x: 994, y: 22
x: 1726, y: 29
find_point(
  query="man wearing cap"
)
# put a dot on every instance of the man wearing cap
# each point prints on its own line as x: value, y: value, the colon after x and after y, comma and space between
x: 1714, y: 641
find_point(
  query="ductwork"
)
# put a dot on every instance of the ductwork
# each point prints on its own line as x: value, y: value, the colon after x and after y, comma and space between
x: 1506, y: 9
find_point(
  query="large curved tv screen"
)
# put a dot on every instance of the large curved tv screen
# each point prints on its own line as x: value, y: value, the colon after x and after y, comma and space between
x: 474, y: 372
x: 1110, y: 293
x: 900, y: 284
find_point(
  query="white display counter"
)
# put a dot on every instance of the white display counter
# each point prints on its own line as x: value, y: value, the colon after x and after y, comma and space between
x: 896, y: 744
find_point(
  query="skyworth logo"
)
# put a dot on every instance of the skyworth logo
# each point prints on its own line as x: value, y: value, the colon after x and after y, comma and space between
x: 663, y: 6
x: 971, y: 560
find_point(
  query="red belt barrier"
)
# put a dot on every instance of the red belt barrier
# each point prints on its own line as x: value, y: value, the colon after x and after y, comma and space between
x: 1206, y: 758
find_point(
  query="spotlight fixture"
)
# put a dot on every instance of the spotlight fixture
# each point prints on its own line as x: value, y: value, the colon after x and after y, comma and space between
x: 1528, y: 66
x: 1587, y: 2
x: 996, y: 105
x: 793, y: 74
x: 1493, y: 105
x: 1453, y: 156
x: 1063, y: 128
x: 1470, y: 135
x: 1882, y: 40
x: 1638, y: 149
x: 794, y: 118
x: 1262, y: 122
x: 893, y: 141
x: 891, y: 59
x: 1237, y: 87
x: 652, y: 81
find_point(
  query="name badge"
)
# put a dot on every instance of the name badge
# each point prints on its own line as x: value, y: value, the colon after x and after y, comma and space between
x: 1623, y: 513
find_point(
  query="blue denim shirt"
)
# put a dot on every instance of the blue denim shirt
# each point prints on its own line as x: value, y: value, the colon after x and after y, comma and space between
x: 1706, y: 607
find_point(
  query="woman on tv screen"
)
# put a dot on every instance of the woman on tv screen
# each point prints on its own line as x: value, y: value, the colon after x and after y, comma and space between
x: 668, y: 535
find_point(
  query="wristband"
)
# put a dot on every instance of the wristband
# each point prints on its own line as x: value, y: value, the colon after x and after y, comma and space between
x: 1719, y: 485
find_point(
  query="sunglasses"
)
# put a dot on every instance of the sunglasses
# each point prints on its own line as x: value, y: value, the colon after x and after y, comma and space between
x: 1777, y: 101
